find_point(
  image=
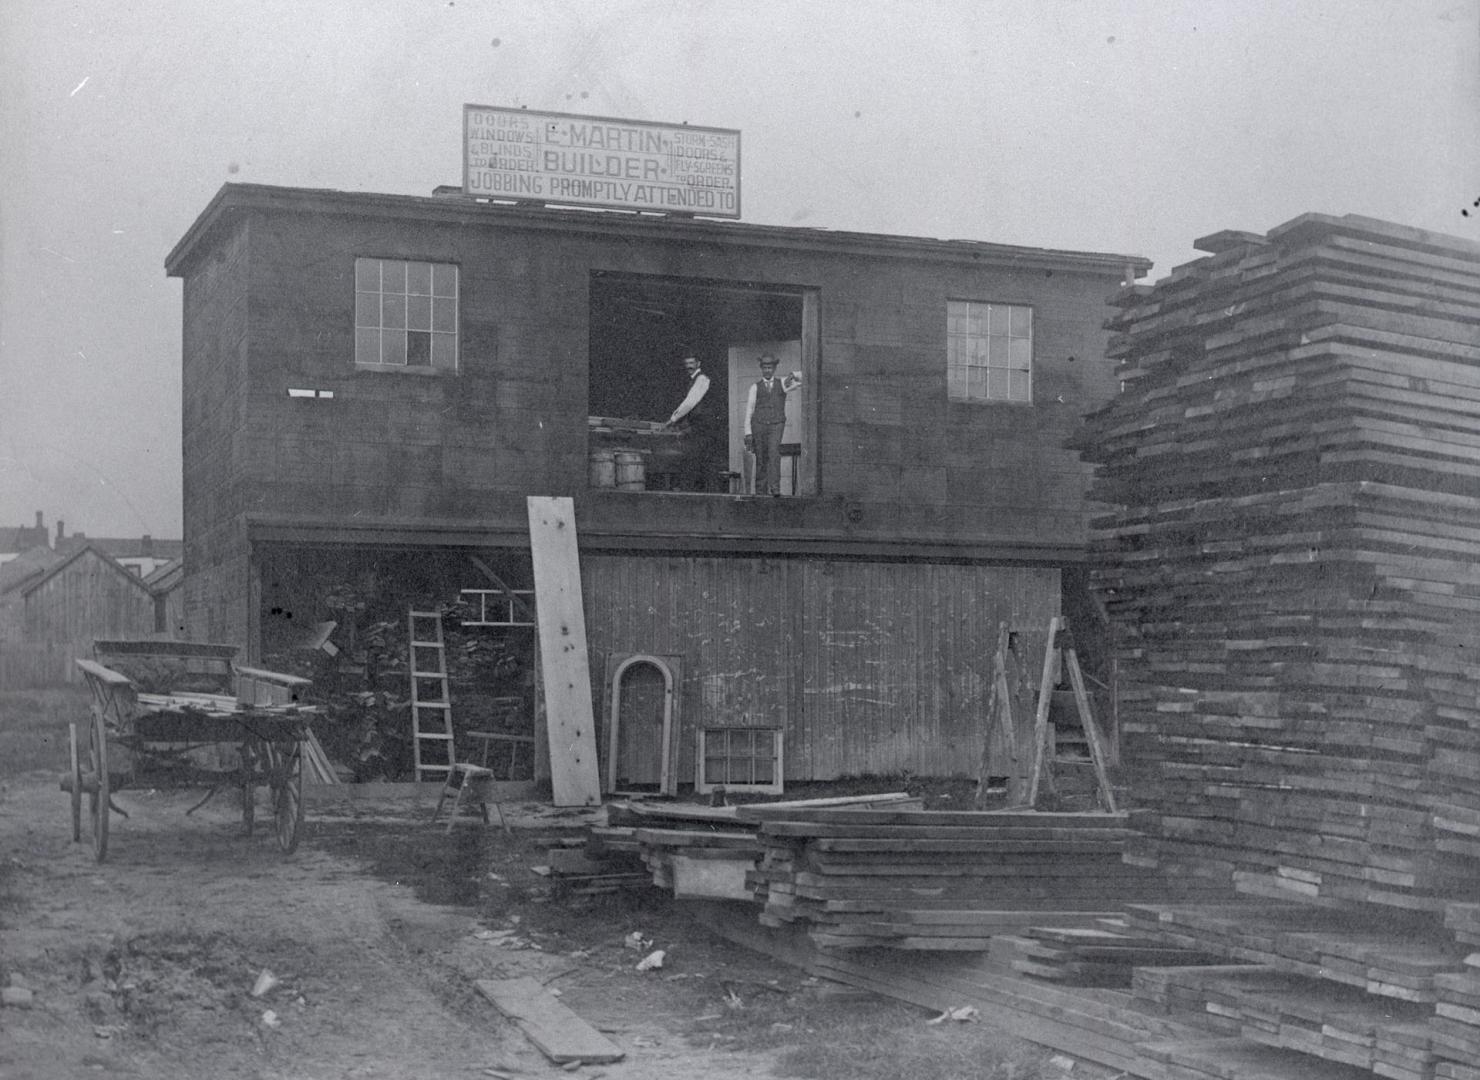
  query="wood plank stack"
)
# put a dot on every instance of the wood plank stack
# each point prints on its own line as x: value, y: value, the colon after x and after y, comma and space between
x: 942, y: 880
x: 1087, y: 955
x: 1381, y: 955
x: 1289, y: 561
x: 705, y: 852
x: 1184, y: 992
x: 700, y: 862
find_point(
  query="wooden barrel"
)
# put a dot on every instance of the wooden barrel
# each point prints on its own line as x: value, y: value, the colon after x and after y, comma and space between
x: 631, y: 473
x: 603, y: 468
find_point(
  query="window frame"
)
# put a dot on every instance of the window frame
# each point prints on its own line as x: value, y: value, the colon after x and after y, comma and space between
x: 704, y: 784
x: 987, y: 366
x: 407, y: 296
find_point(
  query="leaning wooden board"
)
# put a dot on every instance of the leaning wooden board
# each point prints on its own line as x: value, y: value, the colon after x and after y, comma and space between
x: 565, y: 671
x: 561, y: 1035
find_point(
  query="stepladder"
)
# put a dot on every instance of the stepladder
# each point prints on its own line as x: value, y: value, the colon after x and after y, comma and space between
x: 1061, y: 658
x: 431, y: 702
x: 1023, y: 743
x: 1008, y: 743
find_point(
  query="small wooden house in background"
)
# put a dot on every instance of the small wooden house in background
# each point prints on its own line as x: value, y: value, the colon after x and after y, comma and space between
x: 54, y: 614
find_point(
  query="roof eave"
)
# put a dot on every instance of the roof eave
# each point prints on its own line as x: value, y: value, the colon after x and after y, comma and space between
x: 470, y: 211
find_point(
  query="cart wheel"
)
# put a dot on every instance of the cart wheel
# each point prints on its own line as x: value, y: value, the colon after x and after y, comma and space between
x: 76, y: 761
x: 97, y: 797
x: 287, y: 792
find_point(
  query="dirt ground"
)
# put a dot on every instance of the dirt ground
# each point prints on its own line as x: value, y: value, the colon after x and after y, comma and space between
x: 375, y: 931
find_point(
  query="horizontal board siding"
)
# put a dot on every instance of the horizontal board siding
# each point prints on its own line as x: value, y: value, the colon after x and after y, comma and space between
x: 868, y: 667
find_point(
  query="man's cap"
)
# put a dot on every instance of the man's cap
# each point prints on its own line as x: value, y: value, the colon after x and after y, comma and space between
x: 769, y: 361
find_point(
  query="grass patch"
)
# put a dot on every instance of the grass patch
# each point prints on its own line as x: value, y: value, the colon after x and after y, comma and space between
x: 832, y: 1032
x: 861, y: 1050
x: 33, y: 727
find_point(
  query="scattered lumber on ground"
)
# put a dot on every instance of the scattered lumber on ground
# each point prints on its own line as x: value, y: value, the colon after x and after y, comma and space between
x: 559, y: 1033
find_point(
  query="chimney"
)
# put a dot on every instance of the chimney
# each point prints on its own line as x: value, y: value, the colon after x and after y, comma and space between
x: 146, y: 545
x: 41, y: 525
x: 61, y: 531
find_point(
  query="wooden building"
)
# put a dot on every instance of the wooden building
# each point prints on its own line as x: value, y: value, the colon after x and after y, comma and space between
x: 372, y: 377
x: 88, y: 594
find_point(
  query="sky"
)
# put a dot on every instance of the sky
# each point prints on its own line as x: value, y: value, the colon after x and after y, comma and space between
x: 1124, y: 126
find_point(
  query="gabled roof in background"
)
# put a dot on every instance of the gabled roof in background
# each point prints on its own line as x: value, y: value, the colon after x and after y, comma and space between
x: 29, y: 564
x: 88, y: 551
x: 166, y: 577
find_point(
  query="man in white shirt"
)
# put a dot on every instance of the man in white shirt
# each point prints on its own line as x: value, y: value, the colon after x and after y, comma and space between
x: 703, y: 435
x: 765, y: 420
x: 698, y: 387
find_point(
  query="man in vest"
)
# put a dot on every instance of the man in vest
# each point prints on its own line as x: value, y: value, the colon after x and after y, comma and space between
x: 702, y: 424
x: 765, y: 420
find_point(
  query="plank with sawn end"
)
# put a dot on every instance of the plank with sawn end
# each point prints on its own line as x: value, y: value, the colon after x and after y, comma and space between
x: 559, y: 1033
x: 697, y: 838
x: 830, y: 940
x: 982, y: 918
x: 1000, y: 818
x: 887, y: 801
x: 986, y: 845
x: 984, y: 831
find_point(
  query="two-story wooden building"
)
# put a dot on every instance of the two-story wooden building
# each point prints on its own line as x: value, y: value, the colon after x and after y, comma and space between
x: 375, y: 381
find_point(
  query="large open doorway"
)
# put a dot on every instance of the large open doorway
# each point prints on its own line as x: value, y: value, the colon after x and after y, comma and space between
x: 339, y: 615
x: 642, y: 328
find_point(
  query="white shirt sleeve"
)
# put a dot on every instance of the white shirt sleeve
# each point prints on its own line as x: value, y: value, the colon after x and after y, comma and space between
x: 749, y: 407
x: 697, y: 389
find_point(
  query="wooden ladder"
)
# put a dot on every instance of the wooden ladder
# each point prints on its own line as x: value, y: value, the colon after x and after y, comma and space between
x: 431, y: 705
x: 1061, y: 648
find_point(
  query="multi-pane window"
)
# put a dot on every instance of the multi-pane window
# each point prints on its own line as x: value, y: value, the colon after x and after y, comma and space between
x: 739, y: 759
x: 989, y: 351
x: 405, y: 313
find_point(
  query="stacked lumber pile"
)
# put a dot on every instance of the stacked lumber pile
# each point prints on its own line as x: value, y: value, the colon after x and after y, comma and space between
x: 578, y: 868
x: 1103, y: 955
x: 705, y: 852
x: 1289, y: 562
x: 1184, y: 992
x: 942, y: 880
x: 1455, y: 1028
x: 1388, y: 957
x: 710, y: 863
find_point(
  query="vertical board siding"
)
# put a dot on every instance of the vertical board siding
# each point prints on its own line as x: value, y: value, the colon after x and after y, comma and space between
x: 88, y: 598
x: 869, y: 667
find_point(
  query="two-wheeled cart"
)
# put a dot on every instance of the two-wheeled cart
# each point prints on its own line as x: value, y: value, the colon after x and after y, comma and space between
x: 183, y: 714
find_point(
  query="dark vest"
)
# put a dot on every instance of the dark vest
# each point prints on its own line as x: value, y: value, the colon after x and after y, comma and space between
x: 770, y: 405
x: 705, y: 419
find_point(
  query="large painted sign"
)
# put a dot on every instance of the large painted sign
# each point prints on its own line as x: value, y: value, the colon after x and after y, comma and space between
x: 597, y: 161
